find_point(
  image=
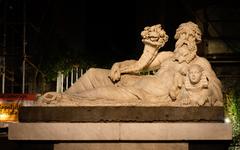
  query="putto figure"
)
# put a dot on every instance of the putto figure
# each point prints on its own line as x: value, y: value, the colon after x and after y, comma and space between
x: 192, y: 88
x: 123, y: 81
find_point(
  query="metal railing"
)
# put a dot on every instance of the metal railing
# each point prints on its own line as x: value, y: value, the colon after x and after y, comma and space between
x: 64, y: 81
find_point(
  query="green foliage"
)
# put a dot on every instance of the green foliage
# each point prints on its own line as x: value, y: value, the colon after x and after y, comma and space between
x: 232, y: 111
x: 65, y: 65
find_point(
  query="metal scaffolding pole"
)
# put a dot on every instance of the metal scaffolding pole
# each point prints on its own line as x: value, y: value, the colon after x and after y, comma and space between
x: 24, y: 47
x: 4, y: 46
x: 2, y: 72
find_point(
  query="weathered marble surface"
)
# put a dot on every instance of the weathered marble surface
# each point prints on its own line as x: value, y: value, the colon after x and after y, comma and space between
x: 182, y: 78
x: 121, y: 114
x: 121, y: 146
x: 120, y: 131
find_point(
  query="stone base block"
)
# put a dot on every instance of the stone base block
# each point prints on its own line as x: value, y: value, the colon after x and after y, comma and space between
x: 121, y: 136
x: 120, y: 131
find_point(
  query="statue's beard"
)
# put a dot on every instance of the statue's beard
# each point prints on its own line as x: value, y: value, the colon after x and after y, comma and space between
x: 190, y: 47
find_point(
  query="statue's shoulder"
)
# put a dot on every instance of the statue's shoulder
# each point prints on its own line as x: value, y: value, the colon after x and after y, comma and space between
x: 202, y: 59
x: 203, y: 62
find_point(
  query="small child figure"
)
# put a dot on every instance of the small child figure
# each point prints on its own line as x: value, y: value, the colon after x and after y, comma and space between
x: 193, y: 90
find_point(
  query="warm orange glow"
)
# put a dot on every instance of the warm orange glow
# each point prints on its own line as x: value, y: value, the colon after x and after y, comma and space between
x: 4, y: 117
x: 9, y: 111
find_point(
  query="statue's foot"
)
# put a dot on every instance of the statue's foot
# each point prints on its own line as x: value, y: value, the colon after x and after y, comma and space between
x: 50, y: 97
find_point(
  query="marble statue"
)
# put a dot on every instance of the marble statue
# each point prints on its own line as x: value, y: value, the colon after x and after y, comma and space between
x: 182, y: 78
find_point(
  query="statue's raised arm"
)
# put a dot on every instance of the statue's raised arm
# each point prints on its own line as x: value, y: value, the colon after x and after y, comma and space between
x: 154, y: 38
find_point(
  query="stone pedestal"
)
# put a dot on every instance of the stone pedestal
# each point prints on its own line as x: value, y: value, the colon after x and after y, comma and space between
x: 121, y: 114
x: 119, y: 133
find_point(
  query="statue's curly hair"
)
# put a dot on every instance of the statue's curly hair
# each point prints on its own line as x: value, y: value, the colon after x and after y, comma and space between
x: 185, y: 27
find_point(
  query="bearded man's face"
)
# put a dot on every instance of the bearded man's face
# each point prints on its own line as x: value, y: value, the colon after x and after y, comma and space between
x: 185, y: 48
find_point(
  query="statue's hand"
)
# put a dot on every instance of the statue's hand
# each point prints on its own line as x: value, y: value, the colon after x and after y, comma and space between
x: 115, y: 73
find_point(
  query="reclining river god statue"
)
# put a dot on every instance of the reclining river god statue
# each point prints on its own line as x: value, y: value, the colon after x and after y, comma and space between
x: 181, y: 77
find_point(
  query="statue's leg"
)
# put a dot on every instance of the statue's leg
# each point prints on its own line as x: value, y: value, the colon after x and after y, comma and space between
x: 107, y: 92
x: 93, y: 78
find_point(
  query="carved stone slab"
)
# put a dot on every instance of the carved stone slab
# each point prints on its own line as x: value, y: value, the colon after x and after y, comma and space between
x: 121, y: 114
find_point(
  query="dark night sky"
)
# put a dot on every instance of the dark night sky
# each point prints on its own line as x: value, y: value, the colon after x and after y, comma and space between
x: 102, y: 32
x: 60, y: 33
x: 87, y: 31
x: 108, y: 30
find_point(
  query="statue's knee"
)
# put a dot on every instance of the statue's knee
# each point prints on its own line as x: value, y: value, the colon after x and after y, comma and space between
x: 91, y: 72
